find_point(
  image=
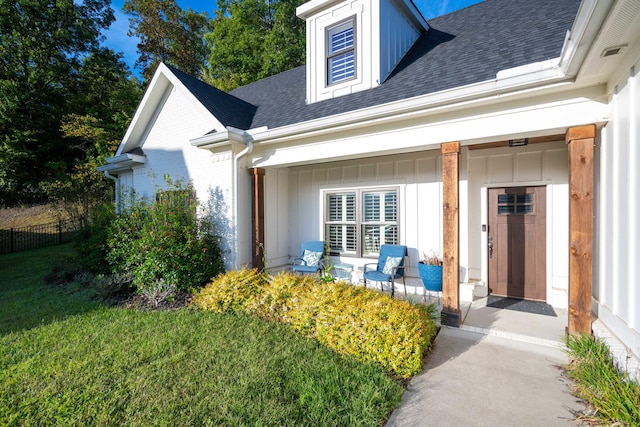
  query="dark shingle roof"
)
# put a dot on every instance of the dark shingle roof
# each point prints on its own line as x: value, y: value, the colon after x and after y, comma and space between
x: 464, y: 47
x: 230, y: 110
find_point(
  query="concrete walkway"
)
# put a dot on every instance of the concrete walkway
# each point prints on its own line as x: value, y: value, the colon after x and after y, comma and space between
x: 472, y: 379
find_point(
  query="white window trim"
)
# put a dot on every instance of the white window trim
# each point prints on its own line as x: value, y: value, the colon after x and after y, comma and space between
x: 329, y: 55
x: 359, y: 222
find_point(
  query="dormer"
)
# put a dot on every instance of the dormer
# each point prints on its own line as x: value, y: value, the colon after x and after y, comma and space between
x: 355, y: 45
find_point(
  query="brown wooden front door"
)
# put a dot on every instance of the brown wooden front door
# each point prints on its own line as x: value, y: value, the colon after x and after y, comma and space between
x: 516, y: 242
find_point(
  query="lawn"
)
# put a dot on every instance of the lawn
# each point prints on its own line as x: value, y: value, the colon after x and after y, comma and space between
x: 65, y: 359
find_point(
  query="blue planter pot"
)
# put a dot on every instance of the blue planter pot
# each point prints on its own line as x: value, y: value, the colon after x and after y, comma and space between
x: 431, y: 276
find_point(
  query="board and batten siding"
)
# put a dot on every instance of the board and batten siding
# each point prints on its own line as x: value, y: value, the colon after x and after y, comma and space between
x: 295, y: 205
x: 382, y: 36
x: 533, y: 165
x: 397, y: 36
x: 617, y: 232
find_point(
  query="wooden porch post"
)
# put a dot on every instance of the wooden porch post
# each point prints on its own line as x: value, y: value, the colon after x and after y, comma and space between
x: 451, y: 234
x: 580, y: 141
x: 257, y: 217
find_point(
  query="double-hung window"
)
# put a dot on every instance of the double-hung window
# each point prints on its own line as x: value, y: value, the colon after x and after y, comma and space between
x: 357, y: 222
x: 341, y: 54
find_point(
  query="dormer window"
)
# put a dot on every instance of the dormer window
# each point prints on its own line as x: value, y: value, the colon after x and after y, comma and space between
x: 341, y: 53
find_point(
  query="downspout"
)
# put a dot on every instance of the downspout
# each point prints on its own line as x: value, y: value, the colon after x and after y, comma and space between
x: 238, y: 135
x: 117, y: 189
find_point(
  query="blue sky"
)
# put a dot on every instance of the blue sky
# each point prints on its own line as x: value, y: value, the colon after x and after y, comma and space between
x: 118, y: 40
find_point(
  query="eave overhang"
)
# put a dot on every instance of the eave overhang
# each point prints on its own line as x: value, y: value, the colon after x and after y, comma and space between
x: 511, y: 83
x: 122, y: 163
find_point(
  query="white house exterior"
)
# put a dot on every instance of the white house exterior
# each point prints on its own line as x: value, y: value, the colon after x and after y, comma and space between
x: 412, y: 122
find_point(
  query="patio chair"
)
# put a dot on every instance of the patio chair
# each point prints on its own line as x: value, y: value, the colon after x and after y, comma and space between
x: 311, y: 259
x: 390, y: 266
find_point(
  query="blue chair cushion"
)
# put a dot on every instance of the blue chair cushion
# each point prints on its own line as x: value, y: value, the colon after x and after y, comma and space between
x: 306, y: 268
x: 377, y: 276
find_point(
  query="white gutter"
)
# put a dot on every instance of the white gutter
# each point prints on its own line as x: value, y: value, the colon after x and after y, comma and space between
x: 136, y: 158
x: 241, y: 136
x: 514, y: 81
x: 506, y: 82
x: 117, y: 188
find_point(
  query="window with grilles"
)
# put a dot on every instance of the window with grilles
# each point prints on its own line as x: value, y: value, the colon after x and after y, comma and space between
x: 358, y: 222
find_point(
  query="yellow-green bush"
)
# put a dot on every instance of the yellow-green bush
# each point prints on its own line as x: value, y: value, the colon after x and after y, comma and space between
x: 234, y: 291
x: 353, y: 321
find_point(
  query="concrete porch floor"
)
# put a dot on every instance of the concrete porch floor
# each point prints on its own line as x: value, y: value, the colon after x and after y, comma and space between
x: 515, y: 325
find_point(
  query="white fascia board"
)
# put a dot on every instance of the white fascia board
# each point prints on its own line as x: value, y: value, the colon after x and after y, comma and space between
x: 212, y: 140
x: 510, y: 82
x: 135, y: 158
x: 309, y: 8
x: 561, y: 70
x: 157, y: 90
x: 414, y: 14
x: 225, y: 138
x: 122, y: 162
x: 586, y: 27
x: 422, y: 105
x: 108, y: 168
x: 191, y: 97
x: 145, y: 111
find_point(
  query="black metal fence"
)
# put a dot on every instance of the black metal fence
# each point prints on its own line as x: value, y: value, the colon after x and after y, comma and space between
x: 36, y: 236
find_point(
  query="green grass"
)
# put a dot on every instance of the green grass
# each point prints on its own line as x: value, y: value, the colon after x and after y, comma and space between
x: 67, y: 360
x: 610, y: 391
x: 25, y: 302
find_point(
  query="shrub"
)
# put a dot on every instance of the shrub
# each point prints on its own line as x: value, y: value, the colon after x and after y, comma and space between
x: 158, y: 292
x: 91, y: 243
x: 597, y: 380
x: 235, y: 291
x: 352, y: 321
x: 164, y: 241
x: 111, y: 286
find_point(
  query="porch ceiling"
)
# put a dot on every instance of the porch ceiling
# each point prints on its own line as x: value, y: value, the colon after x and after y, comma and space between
x: 534, y: 140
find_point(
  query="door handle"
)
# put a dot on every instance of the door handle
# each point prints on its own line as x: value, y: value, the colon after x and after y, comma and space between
x: 490, y: 246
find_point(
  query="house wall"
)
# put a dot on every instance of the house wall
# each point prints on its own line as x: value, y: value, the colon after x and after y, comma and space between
x: 397, y: 36
x: 278, y: 221
x: 418, y: 177
x: 380, y: 28
x: 617, y: 293
x: 533, y: 165
x: 168, y: 151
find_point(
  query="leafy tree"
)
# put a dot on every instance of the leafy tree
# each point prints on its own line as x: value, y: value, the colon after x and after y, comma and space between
x: 253, y: 39
x: 105, y: 98
x: 167, y: 34
x: 42, y: 43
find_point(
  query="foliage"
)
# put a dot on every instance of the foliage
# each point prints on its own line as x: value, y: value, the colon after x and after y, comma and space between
x: 66, y: 360
x: 92, y: 240
x: 615, y: 396
x: 164, y: 240
x: 431, y: 258
x: 350, y: 320
x: 42, y: 46
x: 108, y: 97
x: 167, y: 34
x: 78, y: 193
x: 158, y: 292
x: 253, y: 39
x: 108, y: 286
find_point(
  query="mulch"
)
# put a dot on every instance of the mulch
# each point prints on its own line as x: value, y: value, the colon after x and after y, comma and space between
x: 139, y: 302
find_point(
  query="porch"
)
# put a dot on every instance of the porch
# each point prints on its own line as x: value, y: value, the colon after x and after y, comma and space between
x: 435, y: 199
